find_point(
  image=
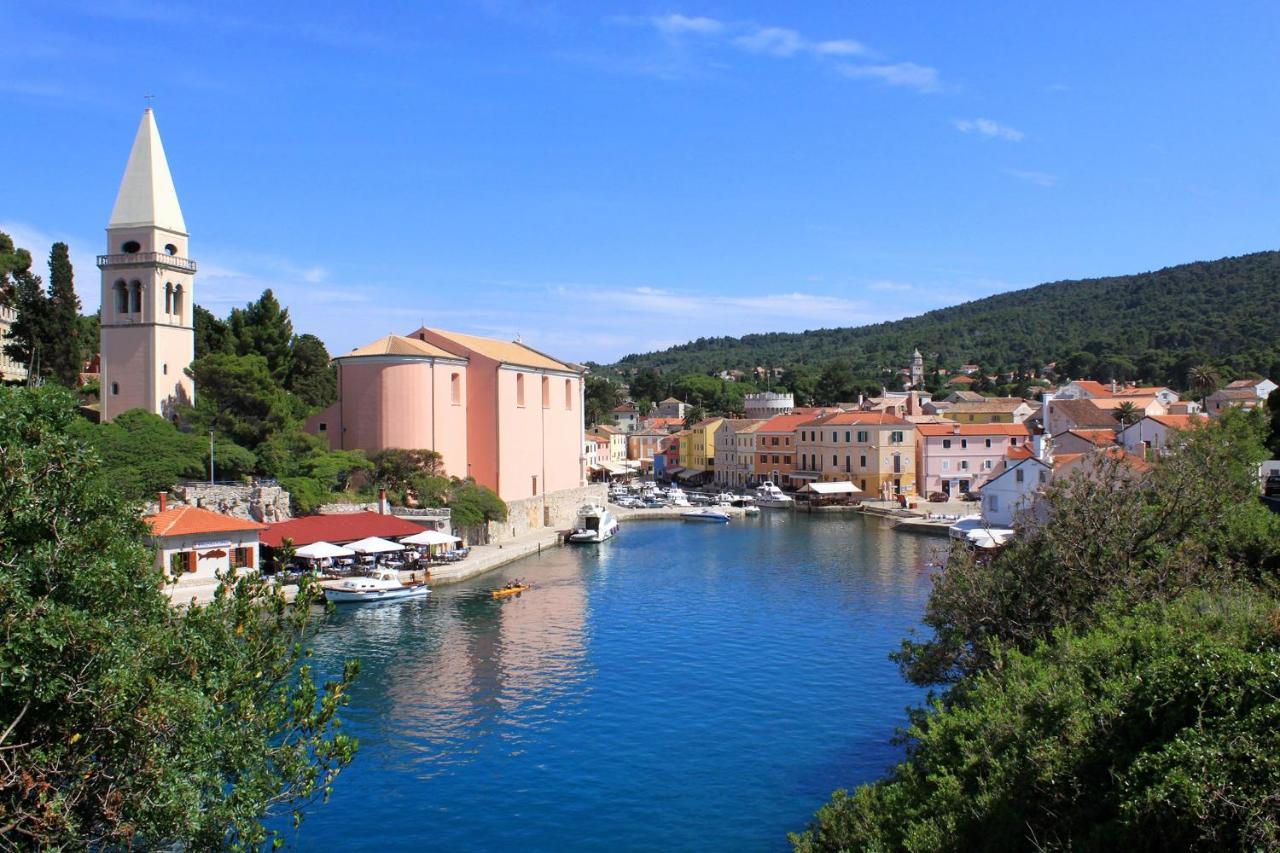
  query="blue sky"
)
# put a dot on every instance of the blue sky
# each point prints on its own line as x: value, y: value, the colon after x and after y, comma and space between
x: 605, y: 178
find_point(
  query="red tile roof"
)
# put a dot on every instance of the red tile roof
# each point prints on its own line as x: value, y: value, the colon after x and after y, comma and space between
x: 337, y: 528
x: 1015, y: 452
x: 187, y: 520
x: 858, y: 418
x: 786, y: 423
x: 1097, y: 389
x: 1098, y: 437
x: 953, y: 428
x: 961, y: 380
x: 1180, y: 421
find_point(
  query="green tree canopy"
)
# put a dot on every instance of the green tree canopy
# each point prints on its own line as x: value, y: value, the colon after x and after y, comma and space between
x: 63, y: 356
x: 602, y: 396
x: 212, y: 335
x: 124, y: 723
x: 312, y: 379
x: 263, y: 328
x: 239, y: 399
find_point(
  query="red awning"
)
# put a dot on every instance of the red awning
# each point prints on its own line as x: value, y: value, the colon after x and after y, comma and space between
x: 337, y: 528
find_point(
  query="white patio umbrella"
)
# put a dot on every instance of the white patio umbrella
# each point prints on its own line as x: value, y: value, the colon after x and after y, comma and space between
x: 322, y: 551
x: 374, y: 545
x: 430, y: 537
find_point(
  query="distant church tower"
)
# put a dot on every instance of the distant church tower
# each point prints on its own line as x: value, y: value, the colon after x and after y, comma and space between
x: 917, y: 369
x: 147, y: 333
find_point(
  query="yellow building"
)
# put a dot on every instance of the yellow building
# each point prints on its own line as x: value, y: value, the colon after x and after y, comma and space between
x: 873, y: 450
x: 993, y: 410
x: 702, y: 446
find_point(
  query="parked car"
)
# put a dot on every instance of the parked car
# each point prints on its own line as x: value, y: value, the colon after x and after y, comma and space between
x: 1272, y: 486
x: 971, y: 496
x: 939, y: 497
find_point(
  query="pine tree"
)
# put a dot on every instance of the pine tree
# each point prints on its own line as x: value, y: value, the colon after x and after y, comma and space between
x: 61, y: 345
x: 264, y: 328
x: 311, y: 377
x: 27, y: 334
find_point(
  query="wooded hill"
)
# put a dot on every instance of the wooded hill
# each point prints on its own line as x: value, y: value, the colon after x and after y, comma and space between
x: 1152, y: 326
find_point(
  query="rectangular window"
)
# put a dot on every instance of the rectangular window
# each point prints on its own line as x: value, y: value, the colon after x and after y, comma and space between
x: 988, y: 442
x: 1017, y: 476
x: 964, y: 464
x: 242, y: 558
x: 862, y: 461
x: 993, y: 502
x: 835, y: 461
x: 1014, y: 441
x: 946, y: 444
x: 181, y: 562
x: 895, y: 437
x: 846, y: 436
x: 323, y: 426
x: 964, y: 442
x: 786, y: 460
x: 520, y: 389
x: 455, y: 389
x: 775, y: 441
x: 862, y: 436
x: 535, y: 484
x: 946, y: 464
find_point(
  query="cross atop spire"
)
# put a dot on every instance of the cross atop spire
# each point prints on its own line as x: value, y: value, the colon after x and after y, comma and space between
x: 147, y: 196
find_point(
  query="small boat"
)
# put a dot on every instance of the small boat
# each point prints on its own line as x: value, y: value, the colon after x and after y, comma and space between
x: 595, y: 524
x: 380, y: 585
x: 750, y: 509
x: 964, y: 526
x: 510, y: 590
x: 710, y: 515
x: 770, y: 496
x: 677, y: 497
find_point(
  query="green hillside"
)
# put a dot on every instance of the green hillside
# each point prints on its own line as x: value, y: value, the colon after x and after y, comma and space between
x: 1152, y: 326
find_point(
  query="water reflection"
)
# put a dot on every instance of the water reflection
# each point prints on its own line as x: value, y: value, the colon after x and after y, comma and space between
x: 637, y: 694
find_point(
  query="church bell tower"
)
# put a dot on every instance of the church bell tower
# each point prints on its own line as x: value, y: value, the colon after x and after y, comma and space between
x: 148, y: 299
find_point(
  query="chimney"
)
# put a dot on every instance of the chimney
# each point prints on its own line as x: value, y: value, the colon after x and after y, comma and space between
x: 163, y: 496
x: 1113, y: 386
x: 382, y: 502
x: 1038, y: 446
x: 913, y: 400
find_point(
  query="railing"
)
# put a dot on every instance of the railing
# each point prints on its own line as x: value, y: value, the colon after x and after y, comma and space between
x: 161, y: 258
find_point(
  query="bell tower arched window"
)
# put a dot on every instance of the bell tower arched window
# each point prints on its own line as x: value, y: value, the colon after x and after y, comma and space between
x: 122, y: 296
x: 177, y: 302
x: 135, y: 297
x: 168, y: 298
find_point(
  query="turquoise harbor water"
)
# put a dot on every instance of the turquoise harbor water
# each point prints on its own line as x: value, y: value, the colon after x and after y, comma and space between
x: 681, y: 687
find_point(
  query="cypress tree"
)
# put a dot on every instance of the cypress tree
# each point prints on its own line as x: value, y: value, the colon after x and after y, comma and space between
x: 61, y: 335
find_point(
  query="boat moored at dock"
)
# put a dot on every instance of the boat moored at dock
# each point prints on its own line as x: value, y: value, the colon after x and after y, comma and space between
x: 705, y: 515
x: 770, y: 496
x: 380, y: 585
x: 595, y: 524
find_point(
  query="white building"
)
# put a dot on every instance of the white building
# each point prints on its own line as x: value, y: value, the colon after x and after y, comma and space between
x: 670, y: 408
x: 1149, y: 437
x: 736, y: 452
x: 194, y: 545
x: 1013, y: 489
x: 767, y: 404
x: 148, y: 298
x: 10, y: 370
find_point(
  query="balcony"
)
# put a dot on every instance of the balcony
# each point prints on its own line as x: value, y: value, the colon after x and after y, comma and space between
x: 138, y: 258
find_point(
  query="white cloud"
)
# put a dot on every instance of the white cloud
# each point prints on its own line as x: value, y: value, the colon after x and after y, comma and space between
x: 906, y: 74
x: 988, y: 128
x: 892, y: 286
x: 774, y: 41
x: 1040, y: 179
x: 676, y: 24
x: 839, y: 47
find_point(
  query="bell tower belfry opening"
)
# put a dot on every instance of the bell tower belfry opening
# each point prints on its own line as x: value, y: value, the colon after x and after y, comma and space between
x: 147, y: 334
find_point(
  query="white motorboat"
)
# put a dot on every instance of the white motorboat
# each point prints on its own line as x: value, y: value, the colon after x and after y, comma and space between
x: 723, y: 499
x: 381, y: 584
x: 705, y: 514
x: 677, y: 497
x: 974, y: 531
x: 750, y: 509
x: 770, y: 496
x: 964, y: 526
x: 595, y: 524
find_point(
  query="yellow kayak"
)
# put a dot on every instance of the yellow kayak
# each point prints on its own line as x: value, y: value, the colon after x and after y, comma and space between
x: 510, y: 590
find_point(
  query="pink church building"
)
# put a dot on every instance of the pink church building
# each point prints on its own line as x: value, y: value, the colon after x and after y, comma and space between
x: 498, y: 411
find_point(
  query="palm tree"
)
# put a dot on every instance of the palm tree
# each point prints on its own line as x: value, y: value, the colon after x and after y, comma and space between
x: 1127, y: 413
x: 1204, y: 379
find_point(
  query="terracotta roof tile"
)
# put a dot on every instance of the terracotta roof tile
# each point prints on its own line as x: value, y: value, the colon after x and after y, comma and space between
x: 953, y: 428
x: 507, y: 352
x: 399, y: 345
x: 187, y: 520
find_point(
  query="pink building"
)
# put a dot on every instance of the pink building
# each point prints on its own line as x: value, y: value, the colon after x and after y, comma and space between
x: 498, y: 411
x: 956, y: 458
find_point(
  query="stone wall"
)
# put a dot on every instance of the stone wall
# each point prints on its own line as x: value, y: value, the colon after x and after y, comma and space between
x: 556, y: 510
x: 262, y: 501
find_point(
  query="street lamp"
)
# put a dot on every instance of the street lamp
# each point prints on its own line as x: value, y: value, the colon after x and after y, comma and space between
x: 211, y: 457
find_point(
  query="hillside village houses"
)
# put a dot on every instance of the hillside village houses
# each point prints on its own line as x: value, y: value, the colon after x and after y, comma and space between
x: 1244, y: 393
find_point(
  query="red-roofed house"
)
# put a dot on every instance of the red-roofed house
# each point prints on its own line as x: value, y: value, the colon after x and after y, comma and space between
x: 1149, y: 437
x: 955, y: 458
x: 1083, y: 440
x: 775, y: 447
x: 876, y: 451
x: 193, y: 545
